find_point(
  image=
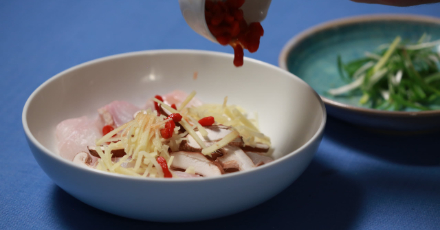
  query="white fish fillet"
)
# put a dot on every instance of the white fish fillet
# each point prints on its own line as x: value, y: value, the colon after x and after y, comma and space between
x: 121, y: 111
x: 74, y: 135
x: 175, y: 97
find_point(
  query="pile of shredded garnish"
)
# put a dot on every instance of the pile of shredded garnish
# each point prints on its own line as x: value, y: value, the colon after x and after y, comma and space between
x: 143, y: 143
x: 396, y: 77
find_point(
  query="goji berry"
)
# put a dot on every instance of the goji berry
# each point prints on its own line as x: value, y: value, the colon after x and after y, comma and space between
x: 238, y: 55
x: 176, y: 117
x: 224, y: 39
x: 168, y: 131
x: 207, y: 121
x: 165, y: 133
x: 163, y: 164
x: 235, y: 3
x: 106, y: 129
x: 226, y: 23
x: 156, y: 105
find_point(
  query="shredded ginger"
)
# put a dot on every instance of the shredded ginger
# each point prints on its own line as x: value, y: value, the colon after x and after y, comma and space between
x: 142, y: 141
x: 232, y: 115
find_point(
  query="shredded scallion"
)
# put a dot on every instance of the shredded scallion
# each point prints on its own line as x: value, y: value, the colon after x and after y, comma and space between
x: 396, y: 77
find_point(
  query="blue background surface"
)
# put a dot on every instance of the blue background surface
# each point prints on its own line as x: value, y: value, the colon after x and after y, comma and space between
x: 357, y: 180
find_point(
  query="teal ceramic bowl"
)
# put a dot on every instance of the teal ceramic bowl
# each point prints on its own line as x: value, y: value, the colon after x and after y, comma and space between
x: 312, y: 56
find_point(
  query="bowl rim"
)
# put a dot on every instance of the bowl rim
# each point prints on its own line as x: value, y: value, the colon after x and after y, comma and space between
x: 32, y: 140
x: 297, y: 39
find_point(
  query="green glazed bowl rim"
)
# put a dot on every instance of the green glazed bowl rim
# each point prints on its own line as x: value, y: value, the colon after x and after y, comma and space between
x: 296, y: 40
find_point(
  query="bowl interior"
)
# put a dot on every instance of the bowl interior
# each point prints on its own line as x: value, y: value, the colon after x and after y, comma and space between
x: 289, y: 111
x: 314, y: 57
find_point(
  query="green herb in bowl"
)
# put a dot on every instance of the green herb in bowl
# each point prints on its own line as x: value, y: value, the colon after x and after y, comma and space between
x: 396, y: 77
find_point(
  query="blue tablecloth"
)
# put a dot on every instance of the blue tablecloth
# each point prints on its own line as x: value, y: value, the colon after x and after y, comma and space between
x: 357, y: 180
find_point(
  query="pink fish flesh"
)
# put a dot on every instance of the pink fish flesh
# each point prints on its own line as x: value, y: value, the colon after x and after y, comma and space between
x: 121, y: 111
x: 74, y: 135
x: 175, y: 97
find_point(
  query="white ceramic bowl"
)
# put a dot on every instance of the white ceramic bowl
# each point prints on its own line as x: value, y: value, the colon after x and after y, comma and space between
x: 290, y: 112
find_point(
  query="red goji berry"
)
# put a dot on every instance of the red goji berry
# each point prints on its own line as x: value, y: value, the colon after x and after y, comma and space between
x: 243, y: 25
x: 215, y: 30
x: 170, y: 125
x: 238, y: 55
x: 235, y: 29
x: 242, y: 40
x: 156, y: 105
x: 224, y: 39
x: 226, y: 23
x: 238, y: 14
x: 165, y: 133
x: 106, y: 129
x: 229, y: 19
x: 163, y: 164
x: 208, y: 16
x: 207, y: 121
x: 176, y: 117
x: 217, y: 19
x: 209, y: 5
x: 235, y: 3
x: 168, y: 131
x: 223, y: 6
x: 254, y: 43
x: 255, y: 27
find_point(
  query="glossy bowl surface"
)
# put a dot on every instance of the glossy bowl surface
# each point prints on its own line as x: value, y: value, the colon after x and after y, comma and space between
x: 290, y: 112
x: 312, y: 55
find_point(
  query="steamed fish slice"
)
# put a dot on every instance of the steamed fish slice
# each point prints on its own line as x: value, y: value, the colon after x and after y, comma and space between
x: 176, y: 97
x: 74, y: 135
x: 121, y: 111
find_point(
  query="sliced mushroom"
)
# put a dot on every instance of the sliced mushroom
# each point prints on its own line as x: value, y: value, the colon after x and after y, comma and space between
x: 83, y: 159
x: 259, y: 147
x: 186, y: 147
x: 258, y: 158
x: 215, y: 133
x: 106, y: 117
x: 234, y: 158
x: 180, y: 174
x: 115, y: 152
x: 202, y: 165
x: 238, y: 142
